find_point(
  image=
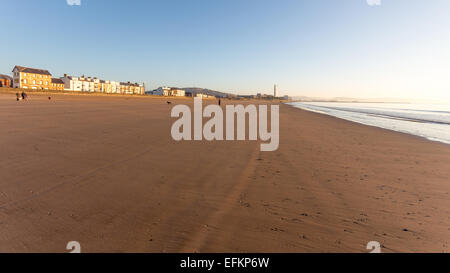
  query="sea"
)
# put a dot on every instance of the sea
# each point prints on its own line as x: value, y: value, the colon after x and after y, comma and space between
x: 431, y: 121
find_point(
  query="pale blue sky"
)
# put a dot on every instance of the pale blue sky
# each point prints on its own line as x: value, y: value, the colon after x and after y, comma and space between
x: 327, y: 48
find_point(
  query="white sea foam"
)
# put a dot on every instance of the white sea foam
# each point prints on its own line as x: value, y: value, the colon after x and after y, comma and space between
x: 431, y: 121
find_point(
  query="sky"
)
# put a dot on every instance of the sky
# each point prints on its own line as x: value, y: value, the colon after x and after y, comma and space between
x: 319, y: 48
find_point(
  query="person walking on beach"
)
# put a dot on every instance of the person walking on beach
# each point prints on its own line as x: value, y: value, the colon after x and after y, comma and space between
x: 220, y: 102
x: 17, y: 96
x: 23, y: 95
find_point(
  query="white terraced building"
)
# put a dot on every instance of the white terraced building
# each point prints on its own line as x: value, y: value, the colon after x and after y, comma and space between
x: 115, y: 87
x: 72, y: 83
x: 88, y: 84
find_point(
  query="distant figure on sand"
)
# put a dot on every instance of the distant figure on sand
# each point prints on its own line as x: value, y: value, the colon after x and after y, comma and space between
x: 220, y: 102
x: 24, y: 96
x: 17, y: 96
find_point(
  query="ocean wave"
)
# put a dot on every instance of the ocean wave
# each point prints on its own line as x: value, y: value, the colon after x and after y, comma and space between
x: 428, y: 121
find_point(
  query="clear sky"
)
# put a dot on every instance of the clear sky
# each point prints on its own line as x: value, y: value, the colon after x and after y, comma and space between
x: 322, y: 48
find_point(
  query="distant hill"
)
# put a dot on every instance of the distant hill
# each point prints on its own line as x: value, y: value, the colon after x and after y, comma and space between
x: 205, y: 91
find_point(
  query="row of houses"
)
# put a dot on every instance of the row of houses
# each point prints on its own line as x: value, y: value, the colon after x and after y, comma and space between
x: 41, y: 79
x: 88, y: 84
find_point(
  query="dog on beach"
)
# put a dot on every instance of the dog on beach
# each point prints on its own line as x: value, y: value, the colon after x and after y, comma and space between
x: 169, y: 102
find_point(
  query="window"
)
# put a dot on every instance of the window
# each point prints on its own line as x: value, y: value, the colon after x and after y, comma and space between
x: 46, y: 83
x: 40, y: 82
x: 25, y: 81
x: 34, y: 81
x: 24, y: 74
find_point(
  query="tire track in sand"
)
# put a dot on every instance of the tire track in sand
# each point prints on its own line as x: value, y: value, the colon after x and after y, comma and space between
x: 200, y: 238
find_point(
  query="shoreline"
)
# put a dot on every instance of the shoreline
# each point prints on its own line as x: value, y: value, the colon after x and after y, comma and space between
x: 107, y: 174
x: 375, y: 126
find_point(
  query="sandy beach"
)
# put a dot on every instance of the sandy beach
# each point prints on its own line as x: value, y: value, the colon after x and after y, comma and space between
x: 104, y: 171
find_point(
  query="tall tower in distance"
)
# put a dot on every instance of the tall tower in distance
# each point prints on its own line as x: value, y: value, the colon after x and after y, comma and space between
x: 275, y: 91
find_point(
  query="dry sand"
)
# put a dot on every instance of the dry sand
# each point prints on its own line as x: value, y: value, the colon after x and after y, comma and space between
x: 104, y: 171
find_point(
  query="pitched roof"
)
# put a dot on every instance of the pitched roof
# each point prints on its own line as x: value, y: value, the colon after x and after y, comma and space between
x: 32, y: 70
x: 5, y: 77
x: 54, y: 80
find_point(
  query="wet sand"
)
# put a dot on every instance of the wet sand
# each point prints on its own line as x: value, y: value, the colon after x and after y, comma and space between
x: 105, y: 171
